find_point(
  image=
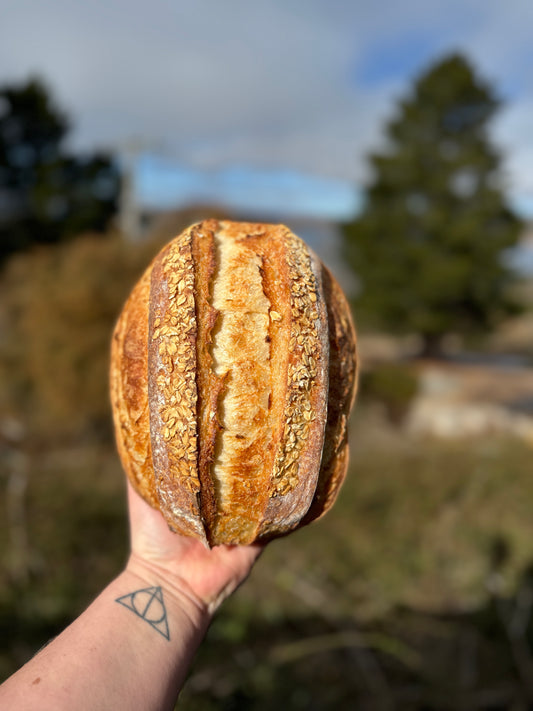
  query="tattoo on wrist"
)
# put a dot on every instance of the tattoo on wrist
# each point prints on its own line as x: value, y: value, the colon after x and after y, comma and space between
x: 148, y: 604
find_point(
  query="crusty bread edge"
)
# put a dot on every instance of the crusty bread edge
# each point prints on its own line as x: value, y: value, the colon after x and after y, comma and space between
x: 129, y: 391
x: 343, y: 379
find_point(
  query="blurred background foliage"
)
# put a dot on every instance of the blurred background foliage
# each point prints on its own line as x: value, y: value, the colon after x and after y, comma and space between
x: 58, y: 306
x: 47, y: 194
x: 416, y: 592
x: 428, y: 244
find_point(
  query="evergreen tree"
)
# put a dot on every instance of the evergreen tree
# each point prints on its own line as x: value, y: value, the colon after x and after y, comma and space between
x: 427, y: 248
x: 46, y: 193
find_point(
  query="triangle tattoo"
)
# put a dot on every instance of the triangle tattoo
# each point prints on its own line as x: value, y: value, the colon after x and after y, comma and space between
x: 148, y: 604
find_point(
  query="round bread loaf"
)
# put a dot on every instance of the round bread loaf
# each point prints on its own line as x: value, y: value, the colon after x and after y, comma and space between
x: 233, y: 372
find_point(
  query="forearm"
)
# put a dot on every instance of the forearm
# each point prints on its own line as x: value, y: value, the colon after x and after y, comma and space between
x: 129, y: 650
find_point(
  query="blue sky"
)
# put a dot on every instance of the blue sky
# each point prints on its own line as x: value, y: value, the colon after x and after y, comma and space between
x: 276, y: 86
x: 280, y: 193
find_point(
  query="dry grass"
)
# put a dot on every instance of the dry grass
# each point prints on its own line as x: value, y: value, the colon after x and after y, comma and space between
x: 369, y: 603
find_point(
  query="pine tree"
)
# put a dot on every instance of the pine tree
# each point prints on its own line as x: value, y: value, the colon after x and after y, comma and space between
x: 428, y: 246
x: 46, y: 192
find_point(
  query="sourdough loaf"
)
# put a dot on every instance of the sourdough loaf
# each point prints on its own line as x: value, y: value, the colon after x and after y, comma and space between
x: 233, y: 371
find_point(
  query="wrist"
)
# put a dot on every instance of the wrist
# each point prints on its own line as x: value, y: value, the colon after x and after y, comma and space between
x: 177, y: 591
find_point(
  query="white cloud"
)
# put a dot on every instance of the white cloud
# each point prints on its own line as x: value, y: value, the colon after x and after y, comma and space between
x: 271, y: 81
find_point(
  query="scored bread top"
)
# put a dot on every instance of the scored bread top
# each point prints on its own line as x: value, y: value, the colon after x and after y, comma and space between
x: 172, y: 386
x: 241, y: 356
x: 235, y: 346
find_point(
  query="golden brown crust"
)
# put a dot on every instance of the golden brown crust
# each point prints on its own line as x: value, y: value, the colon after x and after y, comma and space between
x: 233, y: 370
x: 129, y: 391
x: 296, y: 468
x: 250, y: 331
x: 208, y: 384
x: 172, y: 393
x: 343, y: 372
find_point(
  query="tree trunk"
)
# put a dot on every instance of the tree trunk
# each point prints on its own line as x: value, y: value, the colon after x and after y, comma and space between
x: 431, y: 345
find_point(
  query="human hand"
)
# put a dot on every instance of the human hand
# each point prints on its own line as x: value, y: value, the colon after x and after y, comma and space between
x: 205, y: 576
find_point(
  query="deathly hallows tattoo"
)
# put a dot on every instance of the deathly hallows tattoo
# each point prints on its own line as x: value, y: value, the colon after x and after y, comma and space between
x: 148, y: 604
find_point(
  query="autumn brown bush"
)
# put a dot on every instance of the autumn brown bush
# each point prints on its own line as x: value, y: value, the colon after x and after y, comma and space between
x: 57, y: 310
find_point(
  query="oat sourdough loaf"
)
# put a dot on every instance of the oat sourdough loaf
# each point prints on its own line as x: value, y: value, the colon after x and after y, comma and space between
x: 233, y: 372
